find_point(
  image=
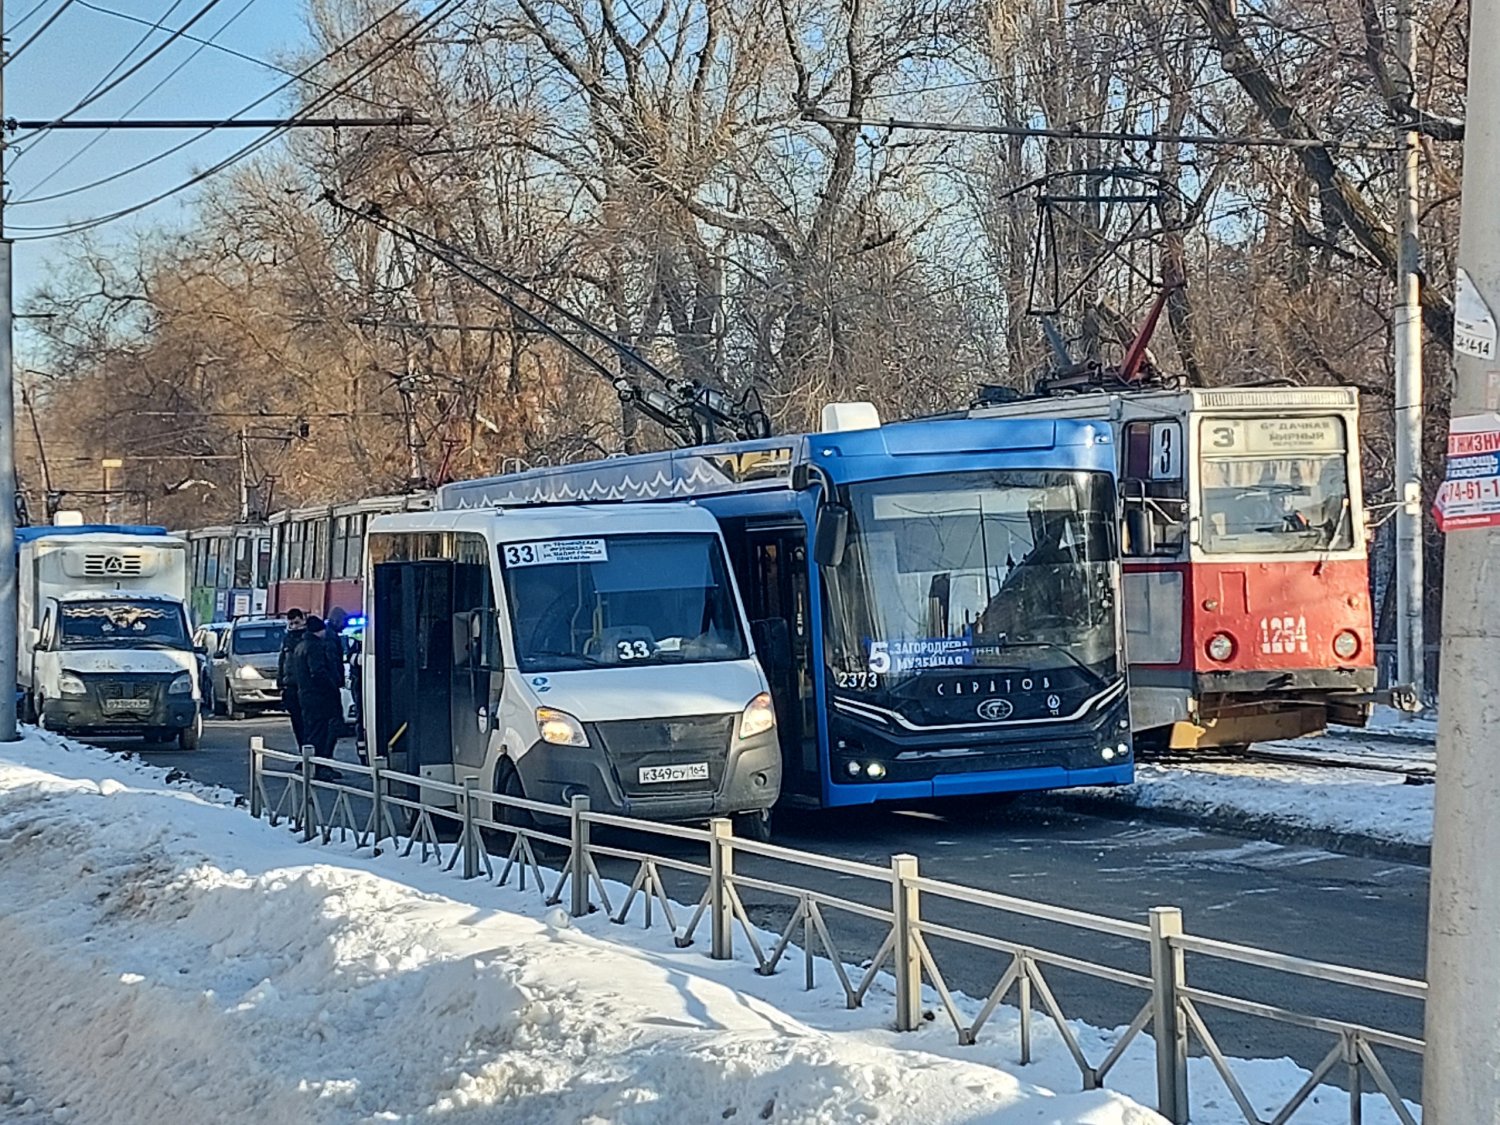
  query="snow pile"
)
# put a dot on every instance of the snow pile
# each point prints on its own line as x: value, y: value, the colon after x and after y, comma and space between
x: 169, y: 960
x: 1314, y: 798
x: 1376, y: 803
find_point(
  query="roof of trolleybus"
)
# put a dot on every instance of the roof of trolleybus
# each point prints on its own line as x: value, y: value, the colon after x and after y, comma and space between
x: 899, y: 449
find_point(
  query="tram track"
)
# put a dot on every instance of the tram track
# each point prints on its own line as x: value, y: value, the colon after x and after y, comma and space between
x: 1414, y: 773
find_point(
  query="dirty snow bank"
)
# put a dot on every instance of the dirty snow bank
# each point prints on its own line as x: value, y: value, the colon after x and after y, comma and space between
x: 169, y: 960
x: 1312, y: 798
x: 1375, y: 803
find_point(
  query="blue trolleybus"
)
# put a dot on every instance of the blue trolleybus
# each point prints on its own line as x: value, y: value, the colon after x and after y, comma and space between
x: 935, y: 603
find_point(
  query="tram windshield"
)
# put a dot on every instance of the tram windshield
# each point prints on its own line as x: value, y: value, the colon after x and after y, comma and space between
x: 989, y: 569
x: 1274, y: 485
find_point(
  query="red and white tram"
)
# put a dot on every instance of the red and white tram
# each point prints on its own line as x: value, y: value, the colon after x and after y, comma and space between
x: 318, y: 553
x: 1247, y: 596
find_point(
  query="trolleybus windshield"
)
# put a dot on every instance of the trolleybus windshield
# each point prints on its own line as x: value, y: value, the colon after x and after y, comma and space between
x: 1274, y: 485
x: 989, y: 569
x: 621, y: 600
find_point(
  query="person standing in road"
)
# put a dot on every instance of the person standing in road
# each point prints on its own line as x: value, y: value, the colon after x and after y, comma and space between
x: 315, y: 669
x: 295, y: 626
x: 339, y: 653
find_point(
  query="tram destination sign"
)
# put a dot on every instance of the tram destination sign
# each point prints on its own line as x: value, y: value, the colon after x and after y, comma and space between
x: 1272, y: 436
x: 1469, y: 496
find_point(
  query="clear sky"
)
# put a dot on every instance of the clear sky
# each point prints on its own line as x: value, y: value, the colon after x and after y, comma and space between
x: 89, y: 40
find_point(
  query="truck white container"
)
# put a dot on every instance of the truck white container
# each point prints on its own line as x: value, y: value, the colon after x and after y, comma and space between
x: 104, y: 646
x: 569, y: 650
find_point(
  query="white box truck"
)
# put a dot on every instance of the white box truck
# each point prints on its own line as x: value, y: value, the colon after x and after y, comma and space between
x: 104, y: 647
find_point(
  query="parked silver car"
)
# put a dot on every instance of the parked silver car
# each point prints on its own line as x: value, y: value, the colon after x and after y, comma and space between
x: 245, y: 666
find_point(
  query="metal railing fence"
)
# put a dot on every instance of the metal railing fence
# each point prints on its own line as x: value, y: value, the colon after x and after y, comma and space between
x: 405, y: 810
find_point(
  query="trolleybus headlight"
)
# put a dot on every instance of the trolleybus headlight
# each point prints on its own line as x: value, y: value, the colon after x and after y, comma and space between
x: 854, y: 768
x: 875, y: 771
x: 182, y: 684
x: 1346, y: 645
x: 759, y: 716
x: 1221, y: 647
x: 560, y: 728
x: 69, y: 684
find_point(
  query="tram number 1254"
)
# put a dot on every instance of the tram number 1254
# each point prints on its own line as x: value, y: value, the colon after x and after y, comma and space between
x: 1282, y: 635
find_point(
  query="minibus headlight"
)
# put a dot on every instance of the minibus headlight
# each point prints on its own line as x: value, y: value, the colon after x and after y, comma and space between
x: 182, y: 684
x: 69, y: 684
x: 560, y: 728
x: 759, y: 716
x: 247, y: 672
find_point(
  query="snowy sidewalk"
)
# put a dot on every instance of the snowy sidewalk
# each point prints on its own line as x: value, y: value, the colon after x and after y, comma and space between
x: 170, y: 960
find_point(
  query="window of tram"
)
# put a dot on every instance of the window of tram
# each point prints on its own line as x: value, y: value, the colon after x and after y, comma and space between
x: 1153, y: 489
x: 1275, y: 485
x: 244, y: 564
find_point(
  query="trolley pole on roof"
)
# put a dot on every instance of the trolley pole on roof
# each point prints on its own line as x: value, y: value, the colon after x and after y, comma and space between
x: 8, y: 609
x: 1410, y: 644
x: 1461, y: 1076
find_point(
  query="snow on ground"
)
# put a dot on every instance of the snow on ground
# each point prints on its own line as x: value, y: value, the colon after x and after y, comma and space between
x: 1373, y: 803
x: 169, y: 960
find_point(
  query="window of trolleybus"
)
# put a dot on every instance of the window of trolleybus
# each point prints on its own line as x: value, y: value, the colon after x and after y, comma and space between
x: 1274, y: 485
x: 621, y: 601
x: 994, y: 569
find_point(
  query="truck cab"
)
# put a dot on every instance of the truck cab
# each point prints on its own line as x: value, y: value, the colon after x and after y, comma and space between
x: 104, y: 646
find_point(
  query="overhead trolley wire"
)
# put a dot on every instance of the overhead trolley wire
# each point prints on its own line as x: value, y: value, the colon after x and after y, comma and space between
x: 436, y: 15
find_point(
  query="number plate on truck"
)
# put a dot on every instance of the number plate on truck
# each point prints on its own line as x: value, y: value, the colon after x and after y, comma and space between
x: 695, y: 771
x: 126, y: 706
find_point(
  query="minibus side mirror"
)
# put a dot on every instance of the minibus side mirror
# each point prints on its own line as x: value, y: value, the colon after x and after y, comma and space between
x: 830, y: 535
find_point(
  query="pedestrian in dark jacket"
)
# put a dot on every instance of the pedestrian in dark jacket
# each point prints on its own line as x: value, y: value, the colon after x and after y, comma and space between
x: 295, y: 629
x: 317, y: 673
x: 334, y: 635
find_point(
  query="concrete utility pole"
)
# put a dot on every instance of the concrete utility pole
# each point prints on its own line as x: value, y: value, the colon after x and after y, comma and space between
x: 8, y: 624
x: 1461, y: 1073
x: 244, y: 474
x: 1410, y: 643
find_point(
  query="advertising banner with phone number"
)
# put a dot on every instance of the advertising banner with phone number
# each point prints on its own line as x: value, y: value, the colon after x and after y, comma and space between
x: 1469, y: 496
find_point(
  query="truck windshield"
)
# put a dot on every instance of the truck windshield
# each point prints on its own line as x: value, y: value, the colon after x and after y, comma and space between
x: 258, y: 640
x: 990, y: 569
x: 95, y: 624
x: 621, y: 600
x: 1275, y: 485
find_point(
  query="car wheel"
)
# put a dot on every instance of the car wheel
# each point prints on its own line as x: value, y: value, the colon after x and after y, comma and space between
x: 29, y: 711
x: 507, y: 784
x: 191, y: 736
x: 232, y: 707
x: 753, y: 826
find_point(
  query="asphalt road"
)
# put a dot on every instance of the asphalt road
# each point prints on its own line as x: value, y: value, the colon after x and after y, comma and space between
x: 1296, y: 900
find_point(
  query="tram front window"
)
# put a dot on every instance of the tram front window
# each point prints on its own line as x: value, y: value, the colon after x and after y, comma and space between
x: 1275, y: 485
x: 995, y: 569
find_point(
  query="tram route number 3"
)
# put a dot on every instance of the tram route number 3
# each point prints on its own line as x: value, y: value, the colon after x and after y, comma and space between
x: 1283, y: 635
